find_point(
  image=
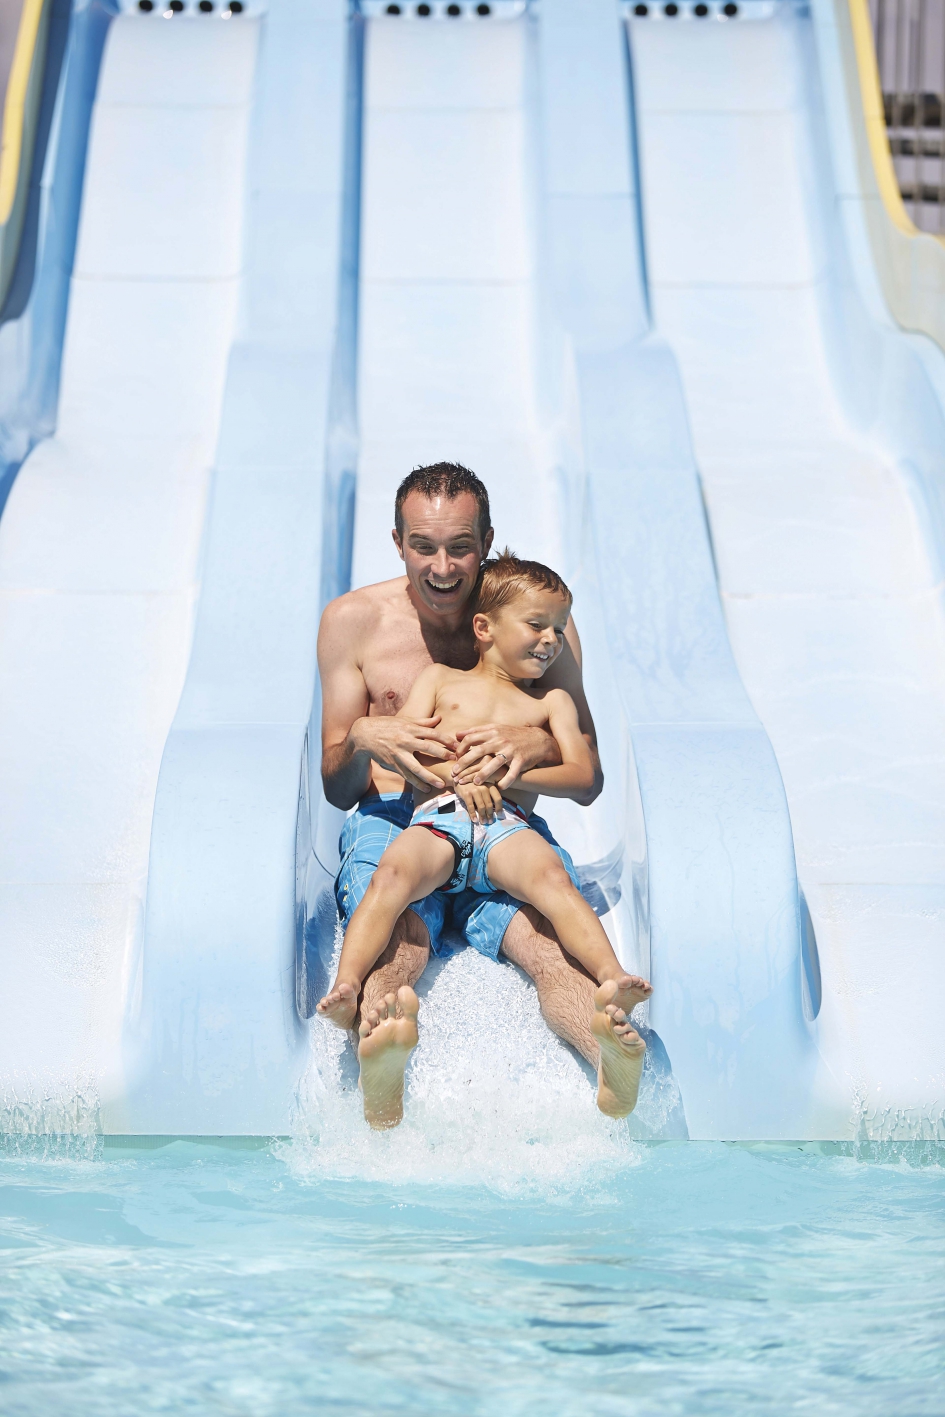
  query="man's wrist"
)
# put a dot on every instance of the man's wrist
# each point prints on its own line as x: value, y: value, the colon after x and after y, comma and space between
x: 354, y: 741
x: 547, y: 753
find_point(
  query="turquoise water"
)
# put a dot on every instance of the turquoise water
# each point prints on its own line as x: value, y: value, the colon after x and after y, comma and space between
x: 679, y: 1278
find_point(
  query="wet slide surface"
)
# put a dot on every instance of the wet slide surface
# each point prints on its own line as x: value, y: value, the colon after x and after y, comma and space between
x: 832, y: 609
x: 100, y: 539
x: 448, y: 371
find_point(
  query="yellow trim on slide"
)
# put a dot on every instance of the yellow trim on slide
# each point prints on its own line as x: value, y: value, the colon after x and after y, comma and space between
x: 14, y: 110
x: 875, y: 118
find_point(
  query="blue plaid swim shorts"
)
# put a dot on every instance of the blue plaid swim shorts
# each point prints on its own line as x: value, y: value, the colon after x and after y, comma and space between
x: 482, y: 919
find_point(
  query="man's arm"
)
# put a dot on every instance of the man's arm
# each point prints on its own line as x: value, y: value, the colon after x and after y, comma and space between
x: 351, y: 739
x: 494, y: 752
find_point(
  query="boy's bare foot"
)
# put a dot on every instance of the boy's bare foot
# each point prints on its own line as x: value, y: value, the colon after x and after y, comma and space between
x: 622, y: 1051
x: 631, y: 990
x: 388, y: 1037
x: 339, y: 1006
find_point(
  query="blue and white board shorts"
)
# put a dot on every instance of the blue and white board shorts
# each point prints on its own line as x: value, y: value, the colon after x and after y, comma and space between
x: 479, y: 913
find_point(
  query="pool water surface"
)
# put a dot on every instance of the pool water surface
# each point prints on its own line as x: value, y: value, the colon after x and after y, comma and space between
x: 672, y: 1278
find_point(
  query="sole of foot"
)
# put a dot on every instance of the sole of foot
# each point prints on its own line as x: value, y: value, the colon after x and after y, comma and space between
x: 388, y: 1036
x: 339, y: 1006
x: 622, y: 1052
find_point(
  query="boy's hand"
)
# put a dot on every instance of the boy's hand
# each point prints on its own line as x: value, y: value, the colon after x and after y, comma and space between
x: 496, y: 753
x: 481, y: 803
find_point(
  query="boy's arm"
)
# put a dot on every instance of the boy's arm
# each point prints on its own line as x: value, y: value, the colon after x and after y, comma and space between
x: 491, y: 753
x: 576, y: 773
x: 421, y: 701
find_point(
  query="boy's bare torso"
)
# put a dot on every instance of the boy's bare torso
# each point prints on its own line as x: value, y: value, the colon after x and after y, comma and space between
x: 464, y: 700
x: 392, y: 646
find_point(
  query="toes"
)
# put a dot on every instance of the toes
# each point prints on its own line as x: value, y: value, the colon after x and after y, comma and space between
x: 408, y: 1004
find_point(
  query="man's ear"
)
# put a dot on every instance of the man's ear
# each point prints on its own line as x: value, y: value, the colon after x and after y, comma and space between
x: 398, y: 543
x: 487, y: 542
x: 481, y: 628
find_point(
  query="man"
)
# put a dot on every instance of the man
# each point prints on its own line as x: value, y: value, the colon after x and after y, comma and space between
x: 372, y: 644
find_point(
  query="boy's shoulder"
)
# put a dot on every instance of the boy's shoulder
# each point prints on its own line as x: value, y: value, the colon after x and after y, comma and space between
x: 550, y: 696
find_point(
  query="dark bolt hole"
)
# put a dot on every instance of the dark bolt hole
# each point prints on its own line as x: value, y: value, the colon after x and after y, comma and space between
x: 453, y: 10
x: 641, y: 10
x: 701, y: 11
x: 236, y: 7
x: 731, y: 10
x: 393, y: 9
x: 176, y: 6
x: 205, y: 7
x: 671, y: 10
x: 423, y: 10
x: 146, y: 5
x: 483, y: 9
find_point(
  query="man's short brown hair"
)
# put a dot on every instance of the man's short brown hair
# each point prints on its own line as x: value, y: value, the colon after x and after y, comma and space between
x: 443, y: 479
x: 505, y: 577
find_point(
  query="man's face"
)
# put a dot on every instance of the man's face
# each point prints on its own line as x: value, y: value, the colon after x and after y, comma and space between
x: 441, y: 549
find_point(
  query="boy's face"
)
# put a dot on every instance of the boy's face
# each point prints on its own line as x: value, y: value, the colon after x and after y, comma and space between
x: 525, y: 636
x: 442, y: 549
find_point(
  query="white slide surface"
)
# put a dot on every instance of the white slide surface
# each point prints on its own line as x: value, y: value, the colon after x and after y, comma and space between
x: 99, y: 551
x: 824, y: 554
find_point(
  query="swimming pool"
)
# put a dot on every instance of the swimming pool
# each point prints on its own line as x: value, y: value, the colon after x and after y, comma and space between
x: 676, y: 1278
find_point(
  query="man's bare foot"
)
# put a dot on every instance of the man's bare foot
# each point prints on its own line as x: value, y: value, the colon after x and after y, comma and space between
x: 388, y: 1037
x: 631, y: 990
x: 622, y: 1051
x: 339, y: 1006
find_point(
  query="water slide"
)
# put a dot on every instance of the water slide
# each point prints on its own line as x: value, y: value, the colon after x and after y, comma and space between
x: 606, y: 260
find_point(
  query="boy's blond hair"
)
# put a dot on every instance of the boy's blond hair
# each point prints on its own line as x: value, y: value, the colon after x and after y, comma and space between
x: 505, y: 577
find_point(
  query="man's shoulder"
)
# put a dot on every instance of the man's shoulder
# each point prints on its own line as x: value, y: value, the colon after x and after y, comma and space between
x: 359, y: 609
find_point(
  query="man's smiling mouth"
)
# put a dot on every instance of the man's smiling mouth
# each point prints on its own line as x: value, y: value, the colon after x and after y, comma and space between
x: 443, y: 587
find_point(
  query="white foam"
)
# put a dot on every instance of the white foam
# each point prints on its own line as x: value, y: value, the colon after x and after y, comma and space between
x: 493, y: 1097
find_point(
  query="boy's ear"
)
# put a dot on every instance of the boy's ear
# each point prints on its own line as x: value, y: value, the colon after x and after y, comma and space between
x: 481, y: 629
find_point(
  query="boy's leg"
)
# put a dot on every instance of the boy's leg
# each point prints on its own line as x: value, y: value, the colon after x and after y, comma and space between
x: 525, y: 866
x: 412, y: 867
x: 592, y: 1019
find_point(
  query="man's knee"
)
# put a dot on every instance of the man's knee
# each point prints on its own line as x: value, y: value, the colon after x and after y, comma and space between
x: 530, y: 940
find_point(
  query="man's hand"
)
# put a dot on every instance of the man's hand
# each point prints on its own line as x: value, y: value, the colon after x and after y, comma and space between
x: 394, y: 742
x: 499, y: 754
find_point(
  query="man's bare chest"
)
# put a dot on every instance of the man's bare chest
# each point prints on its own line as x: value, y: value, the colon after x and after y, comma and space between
x: 398, y: 654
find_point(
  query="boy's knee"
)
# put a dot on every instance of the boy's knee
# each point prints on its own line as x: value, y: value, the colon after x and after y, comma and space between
x: 555, y: 880
x: 388, y: 881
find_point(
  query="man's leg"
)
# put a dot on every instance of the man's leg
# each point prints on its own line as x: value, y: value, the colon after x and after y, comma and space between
x: 401, y: 964
x: 592, y: 1019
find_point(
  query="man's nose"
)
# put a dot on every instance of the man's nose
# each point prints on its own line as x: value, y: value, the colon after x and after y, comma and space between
x: 441, y: 563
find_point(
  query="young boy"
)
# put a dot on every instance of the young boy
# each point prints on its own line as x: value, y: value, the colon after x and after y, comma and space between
x: 474, y: 836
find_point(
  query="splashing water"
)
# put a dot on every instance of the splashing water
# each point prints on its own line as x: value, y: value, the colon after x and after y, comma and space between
x: 492, y: 1096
